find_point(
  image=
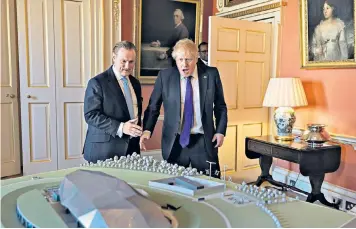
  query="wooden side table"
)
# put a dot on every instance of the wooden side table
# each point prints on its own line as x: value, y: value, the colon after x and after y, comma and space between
x: 313, y: 162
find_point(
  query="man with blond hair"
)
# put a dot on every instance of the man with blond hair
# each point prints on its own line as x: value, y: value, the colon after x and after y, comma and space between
x: 192, y: 94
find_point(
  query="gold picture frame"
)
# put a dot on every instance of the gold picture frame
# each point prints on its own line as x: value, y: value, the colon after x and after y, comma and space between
x: 327, y: 37
x: 144, y: 74
x: 229, y: 3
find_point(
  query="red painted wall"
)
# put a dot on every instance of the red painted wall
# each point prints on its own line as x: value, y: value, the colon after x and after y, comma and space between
x: 331, y: 96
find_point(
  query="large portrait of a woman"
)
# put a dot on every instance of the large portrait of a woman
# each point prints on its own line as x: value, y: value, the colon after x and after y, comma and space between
x: 328, y: 33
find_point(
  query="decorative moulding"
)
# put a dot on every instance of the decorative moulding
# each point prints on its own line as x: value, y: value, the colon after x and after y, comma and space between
x: 248, y: 8
x: 116, y: 13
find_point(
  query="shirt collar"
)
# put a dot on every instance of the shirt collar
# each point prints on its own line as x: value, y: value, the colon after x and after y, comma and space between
x: 178, y: 25
x: 194, y: 75
x: 117, y: 75
x: 205, y: 62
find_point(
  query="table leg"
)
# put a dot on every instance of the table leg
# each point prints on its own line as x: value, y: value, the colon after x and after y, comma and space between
x: 265, y: 164
x: 316, y: 181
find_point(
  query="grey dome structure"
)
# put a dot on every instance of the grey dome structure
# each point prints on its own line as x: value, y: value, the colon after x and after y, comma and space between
x: 97, y: 199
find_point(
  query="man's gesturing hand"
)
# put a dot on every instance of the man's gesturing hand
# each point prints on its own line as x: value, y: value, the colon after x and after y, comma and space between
x: 130, y: 128
x: 146, y: 135
x: 219, y: 138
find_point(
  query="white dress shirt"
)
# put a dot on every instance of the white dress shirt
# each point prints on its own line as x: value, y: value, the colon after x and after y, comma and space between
x: 205, y: 62
x: 133, y: 95
x: 197, y: 125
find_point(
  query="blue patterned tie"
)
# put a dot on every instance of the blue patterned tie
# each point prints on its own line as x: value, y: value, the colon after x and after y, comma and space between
x: 188, y: 114
x: 128, y: 97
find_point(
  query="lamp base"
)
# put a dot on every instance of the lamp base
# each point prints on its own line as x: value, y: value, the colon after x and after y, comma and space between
x: 284, y: 138
x: 284, y: 117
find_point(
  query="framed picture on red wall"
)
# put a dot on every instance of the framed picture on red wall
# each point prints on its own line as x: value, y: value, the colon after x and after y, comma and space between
x: 328, y: 33
x: 159, y: 24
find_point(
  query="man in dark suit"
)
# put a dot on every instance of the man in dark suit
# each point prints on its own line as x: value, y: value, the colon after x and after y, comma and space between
x: 203, y: 53
x: 113, y: 107
x: 191, y: 94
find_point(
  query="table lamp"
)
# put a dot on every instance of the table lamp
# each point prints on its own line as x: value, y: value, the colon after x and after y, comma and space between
x: 284, y: 93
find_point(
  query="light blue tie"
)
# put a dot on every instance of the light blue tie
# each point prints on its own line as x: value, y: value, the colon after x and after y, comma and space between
x: 128, y: 97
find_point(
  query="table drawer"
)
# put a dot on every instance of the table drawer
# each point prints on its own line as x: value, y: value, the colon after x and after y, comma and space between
x: 259, y: 147
x: 282, y: 153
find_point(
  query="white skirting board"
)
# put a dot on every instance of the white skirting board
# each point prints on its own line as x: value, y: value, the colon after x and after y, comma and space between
x: 329, y: 190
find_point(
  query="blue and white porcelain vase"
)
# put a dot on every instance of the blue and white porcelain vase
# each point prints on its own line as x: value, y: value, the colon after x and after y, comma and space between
x: 284, y: 118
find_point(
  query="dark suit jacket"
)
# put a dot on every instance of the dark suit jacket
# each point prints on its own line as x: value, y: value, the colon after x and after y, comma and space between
x: 167, y: 91
x: 200, y: 61
x: 104, y: 109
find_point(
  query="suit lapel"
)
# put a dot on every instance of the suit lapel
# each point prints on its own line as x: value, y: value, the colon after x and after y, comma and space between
x: 116, y: 90
x: 175, y: 89
x: 203, y: 85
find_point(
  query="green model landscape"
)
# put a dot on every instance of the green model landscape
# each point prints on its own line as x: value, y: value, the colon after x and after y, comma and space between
x: 27, y: 192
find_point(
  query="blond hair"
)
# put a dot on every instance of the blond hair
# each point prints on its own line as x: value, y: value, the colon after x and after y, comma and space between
x: 185, y: 46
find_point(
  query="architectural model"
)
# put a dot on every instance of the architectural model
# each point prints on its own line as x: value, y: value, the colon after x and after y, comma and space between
x: 123, y: 192
x: 98, y: 200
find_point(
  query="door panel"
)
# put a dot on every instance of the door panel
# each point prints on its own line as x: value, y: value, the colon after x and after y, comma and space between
x: 37, y: 78
x: 74, y: 130
x: 253, y: 97
x: 241, y: 52
x: 9, y: 107
x: 229, y: 148
x: 40, y: 132
x: 73, y: 49
x: 229, y: 77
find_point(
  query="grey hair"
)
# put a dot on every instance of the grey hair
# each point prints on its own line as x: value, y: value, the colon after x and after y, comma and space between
x: 124, y: 44
x: 180, y: 12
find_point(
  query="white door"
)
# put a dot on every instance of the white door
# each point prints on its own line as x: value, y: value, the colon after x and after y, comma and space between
x: 61, y: 45
x: 241, y: 50
x: 72, y: 31
x: 9, y: 112
x: 37, y: 85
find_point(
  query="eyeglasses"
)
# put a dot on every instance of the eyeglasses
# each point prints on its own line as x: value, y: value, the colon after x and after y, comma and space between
x: 181, y: 60
x: 204, y: 51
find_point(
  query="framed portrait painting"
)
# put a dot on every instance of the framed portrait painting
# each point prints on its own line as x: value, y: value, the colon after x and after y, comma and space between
x: 159, y: 25
x: 328, y: 33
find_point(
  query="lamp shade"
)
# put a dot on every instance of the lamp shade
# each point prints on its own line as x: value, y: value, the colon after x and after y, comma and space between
x: 285, y: 92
